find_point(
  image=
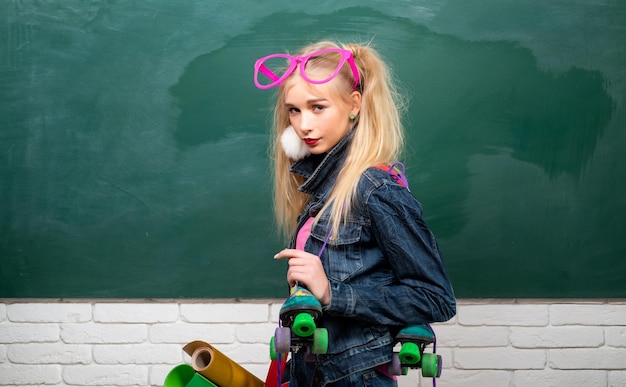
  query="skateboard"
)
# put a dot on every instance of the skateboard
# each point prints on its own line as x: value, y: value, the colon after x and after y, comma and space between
x: 412, y: 340
x: 298, y: 329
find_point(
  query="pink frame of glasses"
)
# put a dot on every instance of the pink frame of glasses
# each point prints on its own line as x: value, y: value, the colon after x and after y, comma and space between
x: 259, y: 66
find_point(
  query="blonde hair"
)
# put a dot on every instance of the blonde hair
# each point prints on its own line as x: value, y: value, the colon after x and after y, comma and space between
x: 378, y: 135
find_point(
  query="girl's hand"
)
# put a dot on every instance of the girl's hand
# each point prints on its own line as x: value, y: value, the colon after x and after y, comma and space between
x: 307, y: 269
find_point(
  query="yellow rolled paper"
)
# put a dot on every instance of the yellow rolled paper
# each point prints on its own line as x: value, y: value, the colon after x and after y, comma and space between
x: 219, y: 368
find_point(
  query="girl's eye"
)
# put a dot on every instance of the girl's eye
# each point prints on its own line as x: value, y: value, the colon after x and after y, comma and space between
x: 318, y: 108
x: 293, y: 111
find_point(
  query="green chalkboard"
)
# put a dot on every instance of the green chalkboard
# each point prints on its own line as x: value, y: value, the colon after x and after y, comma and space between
x: 133, y: 142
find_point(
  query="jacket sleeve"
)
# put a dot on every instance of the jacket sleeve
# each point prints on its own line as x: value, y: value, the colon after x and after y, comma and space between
x: 420, y: 291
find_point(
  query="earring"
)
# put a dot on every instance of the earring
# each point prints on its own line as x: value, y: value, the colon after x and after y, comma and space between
x: 352, y: 116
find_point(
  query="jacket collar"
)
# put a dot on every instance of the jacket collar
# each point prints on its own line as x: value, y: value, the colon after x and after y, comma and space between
x: 320, y: 171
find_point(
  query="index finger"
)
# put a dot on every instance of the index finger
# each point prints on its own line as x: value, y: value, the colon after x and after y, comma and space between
x: 286, y: 253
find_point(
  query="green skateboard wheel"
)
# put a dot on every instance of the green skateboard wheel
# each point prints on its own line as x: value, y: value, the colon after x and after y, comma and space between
x: 409, y: 353
x: 320, y: 341
x: 273, y: 353
x: 303, y: 325
x: 430, y: 365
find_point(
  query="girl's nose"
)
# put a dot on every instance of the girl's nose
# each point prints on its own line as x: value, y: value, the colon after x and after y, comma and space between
x: 306, y: 122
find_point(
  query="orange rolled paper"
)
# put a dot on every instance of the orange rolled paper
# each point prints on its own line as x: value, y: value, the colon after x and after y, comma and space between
x: 217, y: 367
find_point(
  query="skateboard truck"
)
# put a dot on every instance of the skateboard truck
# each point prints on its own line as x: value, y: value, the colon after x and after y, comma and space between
x: 412, y: 340
x: 298, y: 329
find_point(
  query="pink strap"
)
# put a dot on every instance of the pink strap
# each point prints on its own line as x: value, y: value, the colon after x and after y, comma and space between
x: 398, y: 177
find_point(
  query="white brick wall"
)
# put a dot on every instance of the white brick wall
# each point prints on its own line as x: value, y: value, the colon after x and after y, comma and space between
x: 136, y: 343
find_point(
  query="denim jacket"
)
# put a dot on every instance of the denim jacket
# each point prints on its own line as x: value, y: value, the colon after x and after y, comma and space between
x: 384, y: 270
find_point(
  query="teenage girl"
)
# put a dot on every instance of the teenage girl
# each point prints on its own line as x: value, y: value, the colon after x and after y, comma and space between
x: 359, y: 242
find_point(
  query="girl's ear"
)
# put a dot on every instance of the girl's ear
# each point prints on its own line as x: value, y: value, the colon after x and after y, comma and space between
x: 293, y: 145
x: 356, y: 102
